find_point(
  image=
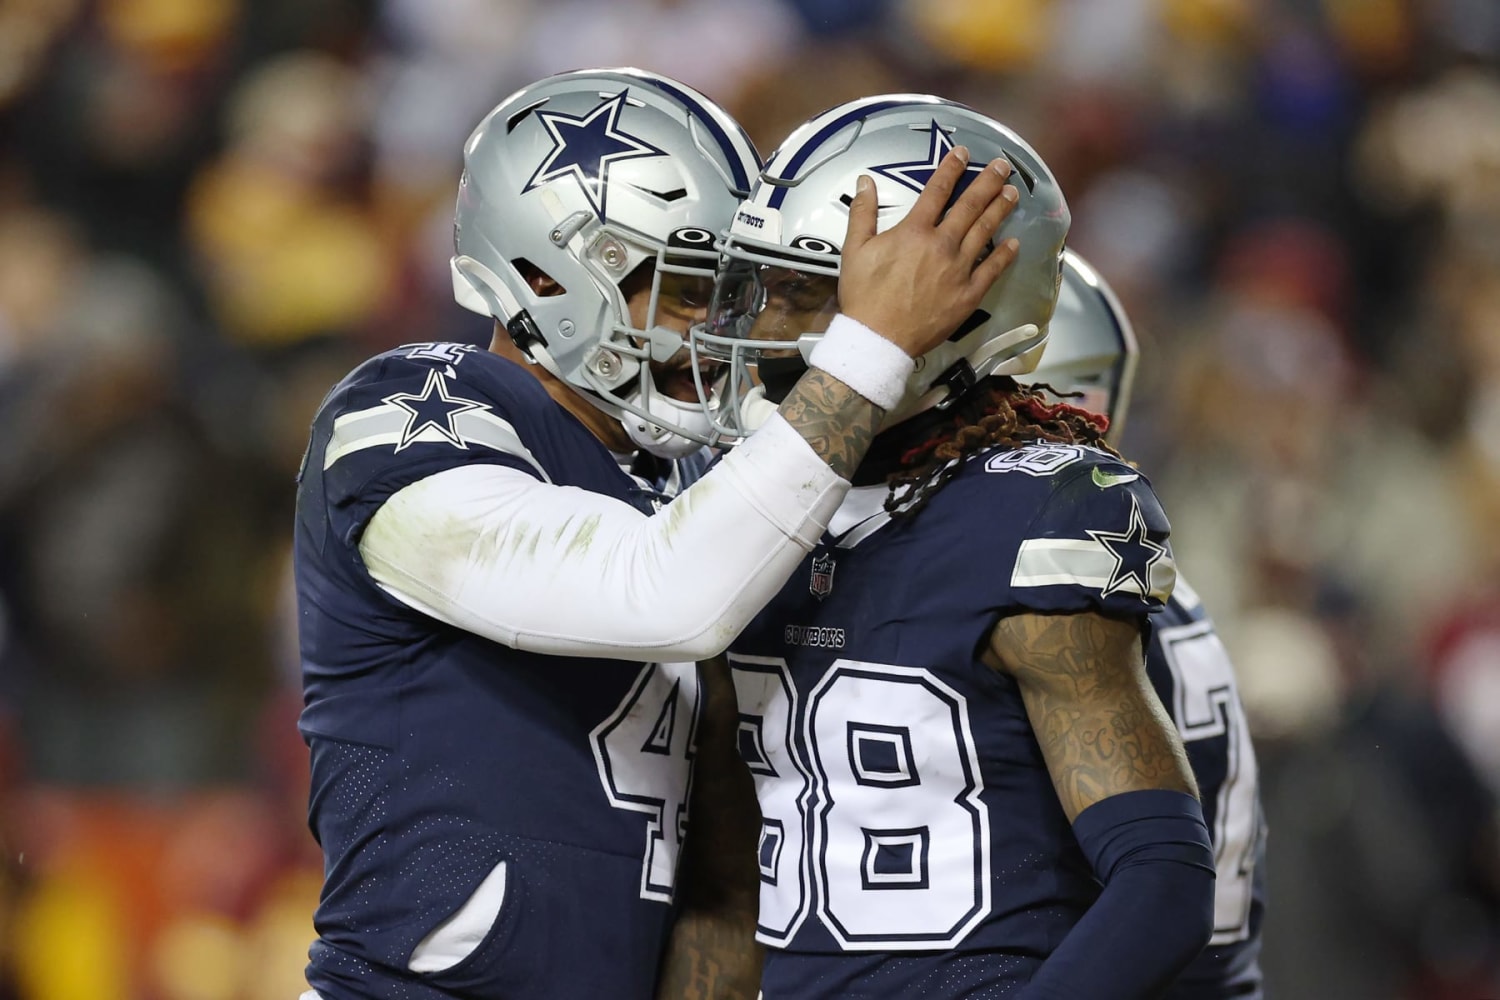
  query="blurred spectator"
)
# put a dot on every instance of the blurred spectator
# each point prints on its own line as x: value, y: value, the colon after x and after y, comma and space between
x: 713, y: 45
x: 288, y: 245
x: 1383, y: 879
x: 1293, y: 466
x: 28, y: 30
x: 805, y: 80
x: 128, y: 543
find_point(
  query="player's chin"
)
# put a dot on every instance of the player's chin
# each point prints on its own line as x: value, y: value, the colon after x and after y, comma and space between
x: 678, y: 384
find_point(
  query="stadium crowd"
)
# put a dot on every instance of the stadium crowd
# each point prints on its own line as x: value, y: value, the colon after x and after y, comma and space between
x: 211, y: 209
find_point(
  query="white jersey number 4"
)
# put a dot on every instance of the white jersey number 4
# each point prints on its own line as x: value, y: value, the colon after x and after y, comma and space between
x: 644, y: 752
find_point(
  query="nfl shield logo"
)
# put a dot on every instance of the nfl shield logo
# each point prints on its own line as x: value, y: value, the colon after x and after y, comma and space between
x: 822, y: 576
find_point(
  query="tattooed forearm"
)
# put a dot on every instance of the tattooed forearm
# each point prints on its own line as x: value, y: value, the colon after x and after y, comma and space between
x: 710, y: 958
x: 712, y: 952
x: 1100, y: 725
x: 838, y: 422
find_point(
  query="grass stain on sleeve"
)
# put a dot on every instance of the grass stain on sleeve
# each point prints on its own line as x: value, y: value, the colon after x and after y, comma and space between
x: 584, y: 537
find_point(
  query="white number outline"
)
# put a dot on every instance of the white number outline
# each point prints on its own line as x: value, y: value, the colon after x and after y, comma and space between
x: 655, y: 807
x: 777, y: 667
x: 1204, y: 711
x: 814, y: 802
x: 970, y: 800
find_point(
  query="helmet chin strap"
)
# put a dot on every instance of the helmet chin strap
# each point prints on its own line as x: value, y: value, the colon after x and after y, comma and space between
x: 662, y: 441
x: 474, y: 283
x: 926, y: 392
x: 755, y: 409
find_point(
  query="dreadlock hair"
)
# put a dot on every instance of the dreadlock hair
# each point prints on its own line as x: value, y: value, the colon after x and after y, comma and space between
x: 997, y: 413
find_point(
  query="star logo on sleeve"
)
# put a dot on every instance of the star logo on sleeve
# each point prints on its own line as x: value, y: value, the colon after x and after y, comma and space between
x: 1134, y: 554
x: 585, y: 148
x: 915, y: 174
x: 432, y: 408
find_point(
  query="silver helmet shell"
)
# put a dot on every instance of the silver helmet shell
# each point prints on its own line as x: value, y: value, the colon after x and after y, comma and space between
x: 584, y: 176
x: 796, y: 218
x: 1091, y: 350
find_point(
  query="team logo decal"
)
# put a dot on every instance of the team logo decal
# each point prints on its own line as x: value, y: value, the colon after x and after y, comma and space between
x: 432, y: 408
x: 1134, y: 554
x: 1104, y: 480
x: 822, y: 576
x: 813, y: 244
x: 915, y: 174
x: 584, y: 149
x: 1034, y: 459
x: 691, y: 238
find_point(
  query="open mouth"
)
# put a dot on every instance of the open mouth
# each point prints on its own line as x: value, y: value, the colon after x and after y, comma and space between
x: 678, y: 383
x: 676, y: 380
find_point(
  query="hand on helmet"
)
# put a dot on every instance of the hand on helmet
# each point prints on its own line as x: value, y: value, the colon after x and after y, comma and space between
x: 915, y: 283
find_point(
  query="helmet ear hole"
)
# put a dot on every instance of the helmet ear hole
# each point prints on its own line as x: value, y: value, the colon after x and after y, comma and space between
x: 542, y: 284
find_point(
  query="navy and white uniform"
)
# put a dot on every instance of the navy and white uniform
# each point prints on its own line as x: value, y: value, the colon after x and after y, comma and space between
x: 498, y: 791
x: 912, y: 842
x: 1192, y: 674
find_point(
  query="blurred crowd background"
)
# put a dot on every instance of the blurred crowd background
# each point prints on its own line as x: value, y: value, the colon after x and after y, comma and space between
x: 211, y: 209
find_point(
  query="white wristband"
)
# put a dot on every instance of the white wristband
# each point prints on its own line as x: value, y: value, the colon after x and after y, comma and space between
x: 864, y: 361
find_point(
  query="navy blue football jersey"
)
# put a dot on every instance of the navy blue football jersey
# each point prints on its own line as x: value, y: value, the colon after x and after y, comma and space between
x: 438, y: 756
x: 912, y: 842
x: 1191, y: 672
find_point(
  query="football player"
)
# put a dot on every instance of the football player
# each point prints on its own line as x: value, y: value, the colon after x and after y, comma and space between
x: 946, y: 709
x: 1090, y: 361
x: 497, y: 637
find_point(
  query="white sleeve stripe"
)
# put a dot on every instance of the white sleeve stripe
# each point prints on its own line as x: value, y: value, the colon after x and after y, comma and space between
x: 1186, y: 596
x: 1163, y: 578
x: 1061, y: 562
x: 386, y: 425
x: 1045, y: 562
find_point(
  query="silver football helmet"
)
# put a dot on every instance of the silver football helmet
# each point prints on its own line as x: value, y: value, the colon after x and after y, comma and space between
x: 1092, y: 349
x: 778, y: 285
x: 584, y: 176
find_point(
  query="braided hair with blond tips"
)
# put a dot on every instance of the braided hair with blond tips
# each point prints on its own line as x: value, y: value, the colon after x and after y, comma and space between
x: 997, y: 413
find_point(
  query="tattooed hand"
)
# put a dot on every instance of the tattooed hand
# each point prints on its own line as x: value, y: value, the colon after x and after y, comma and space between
x: 1100, y: 725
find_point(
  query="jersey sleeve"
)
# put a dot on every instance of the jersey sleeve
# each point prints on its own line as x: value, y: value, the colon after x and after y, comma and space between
x: 411, y: 414
x: 1098, y: 543
x: 565, y: 571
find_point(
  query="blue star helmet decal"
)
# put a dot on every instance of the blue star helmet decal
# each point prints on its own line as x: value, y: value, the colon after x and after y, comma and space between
x: 915, y: 174
x: 434, y: 408
x: 586, y: 147
x: 1133, y: 552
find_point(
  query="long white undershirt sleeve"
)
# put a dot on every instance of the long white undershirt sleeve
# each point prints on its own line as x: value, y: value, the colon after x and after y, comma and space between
x: 556, y: 569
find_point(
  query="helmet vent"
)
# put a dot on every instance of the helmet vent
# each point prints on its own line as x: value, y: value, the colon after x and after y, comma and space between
x: 847, y: 200
x: 515, y: 119
x: 976, y: 319
x: 1027, y: 177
